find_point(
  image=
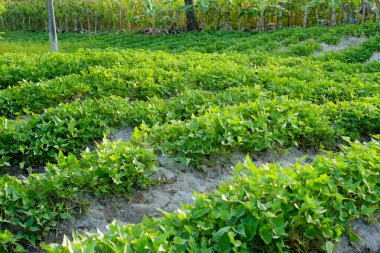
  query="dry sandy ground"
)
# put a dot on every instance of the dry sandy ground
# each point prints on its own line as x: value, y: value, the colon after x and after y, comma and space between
x: 344, y: 43
x: 375, y: 57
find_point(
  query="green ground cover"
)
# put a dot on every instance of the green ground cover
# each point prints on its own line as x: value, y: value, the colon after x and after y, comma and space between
x: 190, y: 96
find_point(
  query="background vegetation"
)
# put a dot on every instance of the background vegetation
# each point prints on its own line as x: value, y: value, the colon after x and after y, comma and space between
x: 133, y: 15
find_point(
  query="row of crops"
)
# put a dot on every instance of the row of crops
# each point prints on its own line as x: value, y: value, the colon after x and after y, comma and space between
x: 271, y: 209
x: 57, y: 108
x: 131, y: 15
x: 207, y: 42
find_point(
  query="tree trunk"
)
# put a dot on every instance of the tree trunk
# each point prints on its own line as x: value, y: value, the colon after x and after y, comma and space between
x: 356, y: 17
x: 228, y: 17
x: 108, y: 24
x: 203, y: 21
x: 66, y: 24
x: 364, y: 11
x: 346, y: 14
x: 192, y: 23
x: 316, y: 14
x: 305, y: 16
x: 280, y: 19
x: 75, y: 24
x: 333, y: 17
x: 260, y: 22
x: 60, y: 25
x: 121, y: 18
x: 378, y: 14
x: 89, y: 23
x: 52, y: 27
x: 216, y: 20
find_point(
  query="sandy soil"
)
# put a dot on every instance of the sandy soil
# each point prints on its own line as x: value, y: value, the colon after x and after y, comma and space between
x: 344, y: 43
x: 375, y: 57
x: 369, y: 238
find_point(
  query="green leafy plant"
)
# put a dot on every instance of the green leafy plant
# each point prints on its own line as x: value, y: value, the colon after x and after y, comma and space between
x: 190, y: 96
x: 262, y: 125
x: 32, y: 206
x: 267, y: 208
x: 157, y: 14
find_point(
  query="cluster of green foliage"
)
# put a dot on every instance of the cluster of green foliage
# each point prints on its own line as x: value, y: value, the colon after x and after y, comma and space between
x: 206, y: 42
x: 31, y: 206
x: 22, y: 67
x: 270, y: 209
x: 131, y: 15
x: 143, y: 81
x: 145, y: 77
x: 190, y: 105
x: 251, y: 126
x: 262, y: 125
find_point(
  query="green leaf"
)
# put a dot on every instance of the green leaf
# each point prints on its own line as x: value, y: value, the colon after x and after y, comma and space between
x: 221, y: 232
x: 64, y: 216
x: 199, y: 213
x: 346, y: 138
x: 265, y: 234
x: 329, y: 247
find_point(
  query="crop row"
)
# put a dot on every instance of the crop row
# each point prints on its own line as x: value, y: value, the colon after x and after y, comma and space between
x: 30, y: 207
x: 71, y: 126
x: 16, y: 68
x: 205, y: 42
x: 137, y: 82
x: 261, y: 125
x: 266, y: 209
x: 314, y: 68
x: 312, y: 83
x: 253, y: 126
x: 134, y: 83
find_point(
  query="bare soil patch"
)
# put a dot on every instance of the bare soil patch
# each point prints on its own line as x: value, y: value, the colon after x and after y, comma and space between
x: 369, y: 238
x: 375, y: 57
x: 344, y: 43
